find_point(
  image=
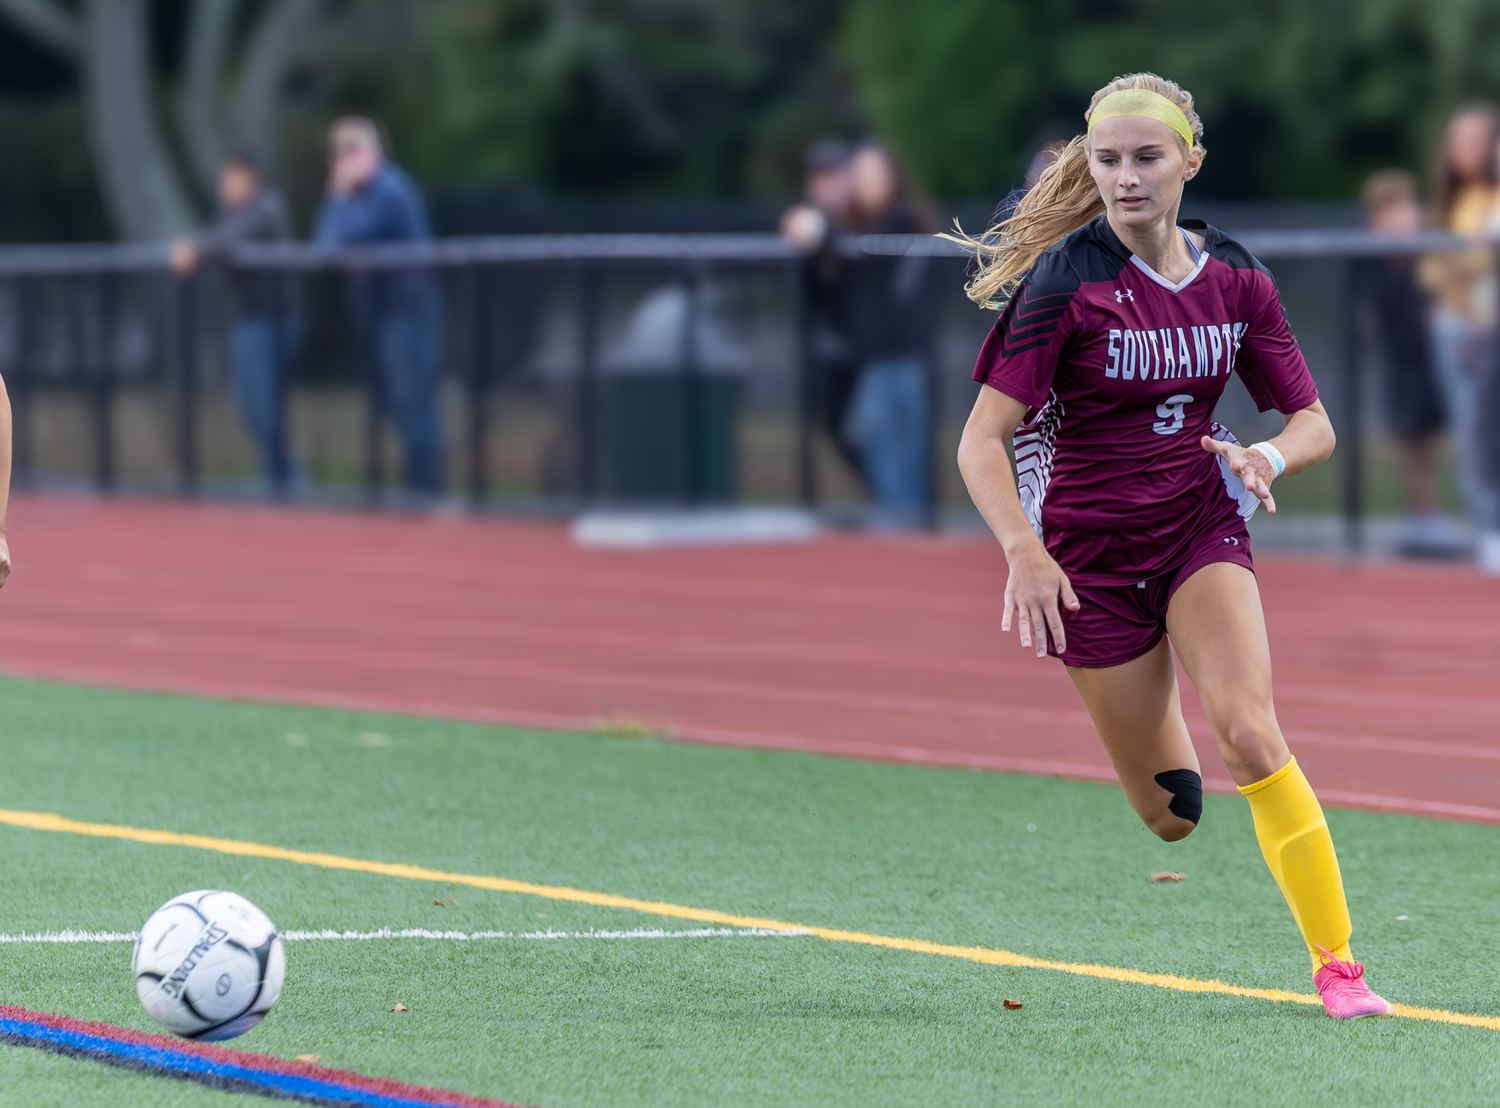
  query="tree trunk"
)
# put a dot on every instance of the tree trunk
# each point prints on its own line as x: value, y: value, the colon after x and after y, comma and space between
x: 141, y: 189
x: 262, y: 73
x: 48, y: 24
x: 199, y: 118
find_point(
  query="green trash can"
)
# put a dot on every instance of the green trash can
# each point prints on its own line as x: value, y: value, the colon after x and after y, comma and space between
x: 669, y: 434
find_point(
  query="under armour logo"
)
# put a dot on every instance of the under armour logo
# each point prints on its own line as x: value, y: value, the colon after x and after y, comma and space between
x: 1235, y: 541
x: 1127, y: 294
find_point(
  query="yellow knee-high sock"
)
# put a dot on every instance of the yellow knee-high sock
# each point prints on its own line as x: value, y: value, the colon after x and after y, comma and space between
x: 1294, y: 839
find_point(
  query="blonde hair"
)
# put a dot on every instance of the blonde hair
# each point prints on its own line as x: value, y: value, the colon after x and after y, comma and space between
x: 1063, y: 200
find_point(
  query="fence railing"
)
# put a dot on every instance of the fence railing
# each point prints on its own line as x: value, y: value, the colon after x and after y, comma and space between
x: 468, y: 266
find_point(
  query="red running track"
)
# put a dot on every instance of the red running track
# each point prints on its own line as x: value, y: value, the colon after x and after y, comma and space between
x: 855, y: 646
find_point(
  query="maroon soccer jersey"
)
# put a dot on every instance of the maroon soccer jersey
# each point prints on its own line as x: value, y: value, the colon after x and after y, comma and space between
x: 1121, y: 371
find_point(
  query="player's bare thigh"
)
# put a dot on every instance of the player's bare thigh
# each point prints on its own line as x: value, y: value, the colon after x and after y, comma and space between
x: 1218, y: 630
x: 1135, y: 709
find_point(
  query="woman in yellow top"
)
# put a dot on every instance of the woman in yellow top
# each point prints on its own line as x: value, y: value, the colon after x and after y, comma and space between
x: 1461, y: 283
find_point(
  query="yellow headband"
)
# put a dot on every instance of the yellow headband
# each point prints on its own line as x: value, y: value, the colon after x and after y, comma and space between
x: 1140, y: 101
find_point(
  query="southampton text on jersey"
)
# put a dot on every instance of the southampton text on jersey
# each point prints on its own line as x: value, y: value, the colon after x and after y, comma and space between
x: 1168, y: 352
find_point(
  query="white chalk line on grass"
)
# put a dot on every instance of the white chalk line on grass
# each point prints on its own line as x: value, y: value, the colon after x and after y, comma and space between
x: 424, y: 933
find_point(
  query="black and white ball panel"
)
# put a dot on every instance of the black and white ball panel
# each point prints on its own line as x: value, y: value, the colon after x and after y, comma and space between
x: 209, y: 965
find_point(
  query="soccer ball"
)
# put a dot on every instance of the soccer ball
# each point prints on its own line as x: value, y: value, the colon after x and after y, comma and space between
x: 208, y: 965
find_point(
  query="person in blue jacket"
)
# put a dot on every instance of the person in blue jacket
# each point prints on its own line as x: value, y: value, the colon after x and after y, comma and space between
x: 371, y: 200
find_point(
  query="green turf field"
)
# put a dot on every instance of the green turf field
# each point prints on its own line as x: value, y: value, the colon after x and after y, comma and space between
x: 944, y: 855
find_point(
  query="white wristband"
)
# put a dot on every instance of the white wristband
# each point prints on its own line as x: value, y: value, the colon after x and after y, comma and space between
x: 1271, y: 454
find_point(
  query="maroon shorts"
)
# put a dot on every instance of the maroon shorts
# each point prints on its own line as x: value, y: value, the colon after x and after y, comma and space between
x: 1117, y: 623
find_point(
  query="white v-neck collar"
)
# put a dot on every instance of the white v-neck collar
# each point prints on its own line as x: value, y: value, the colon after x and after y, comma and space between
x: 1163, y: 282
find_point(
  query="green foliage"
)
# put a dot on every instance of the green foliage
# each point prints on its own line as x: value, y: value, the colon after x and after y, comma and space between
x: 960, y: 87
x: 1301, y: 98
x: 616, y: 96
x: 47, y: 186
x: 1298, y: 98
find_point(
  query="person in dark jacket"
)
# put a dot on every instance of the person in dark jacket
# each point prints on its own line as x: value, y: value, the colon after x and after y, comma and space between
x: 1413, y: 404
x: 889, y: 312
x: 370, y: 200
x: 252, y: 209
x: 813, y: 225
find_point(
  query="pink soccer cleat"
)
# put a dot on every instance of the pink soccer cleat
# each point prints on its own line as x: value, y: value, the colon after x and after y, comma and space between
x: 1344, y: 992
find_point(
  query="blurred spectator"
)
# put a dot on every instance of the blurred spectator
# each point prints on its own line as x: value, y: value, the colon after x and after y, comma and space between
x: 812, y: 225
x: 1040, y: 162
x: 1413, y: 407
x: 889, y: 313
x: 251, y: 209
x: 825, y: 203
x: 370, y: 200
x: 1463, y: 318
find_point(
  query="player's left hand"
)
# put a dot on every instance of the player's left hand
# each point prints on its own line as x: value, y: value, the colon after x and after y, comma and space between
x: 1250, y: 466
x: 4, y: 560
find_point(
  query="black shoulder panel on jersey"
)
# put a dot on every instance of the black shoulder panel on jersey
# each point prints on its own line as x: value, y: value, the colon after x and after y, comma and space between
x: 1096, y: 251
x: 1033, y: 313
x: 1221, y: 246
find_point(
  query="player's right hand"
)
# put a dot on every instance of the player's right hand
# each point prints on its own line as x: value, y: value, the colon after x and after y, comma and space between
x: 4, y: 561
x: 1250, y: 466
x: 1031, y: 593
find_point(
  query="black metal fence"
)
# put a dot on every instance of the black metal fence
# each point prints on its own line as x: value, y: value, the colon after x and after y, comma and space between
x: 96, y: 322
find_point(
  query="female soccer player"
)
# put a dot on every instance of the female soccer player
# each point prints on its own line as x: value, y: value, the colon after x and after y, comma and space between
x: 1118, y: 333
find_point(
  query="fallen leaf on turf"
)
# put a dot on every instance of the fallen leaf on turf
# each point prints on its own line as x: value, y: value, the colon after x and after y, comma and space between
x: 1013, y: 1005
x: 1164, y: 876
x: 310, y: 1059
x: 445, y: 903
x: 400, y: 1008
x: 621, y: 728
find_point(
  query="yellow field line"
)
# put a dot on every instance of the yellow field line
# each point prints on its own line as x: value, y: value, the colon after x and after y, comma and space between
x: 45, y: 821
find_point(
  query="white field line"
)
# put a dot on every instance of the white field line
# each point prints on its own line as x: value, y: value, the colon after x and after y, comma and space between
x: 423, y: 933
x: 72, y: 937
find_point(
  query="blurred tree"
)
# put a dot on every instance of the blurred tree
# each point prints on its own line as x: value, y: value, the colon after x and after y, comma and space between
x: 1299, y: 97
x: 47, y: 185
x: 235, y: 63
x: 687, y: 95
x: 107, y: 41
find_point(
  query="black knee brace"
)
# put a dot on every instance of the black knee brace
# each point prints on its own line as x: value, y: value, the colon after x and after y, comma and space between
x: 1186, y: 788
